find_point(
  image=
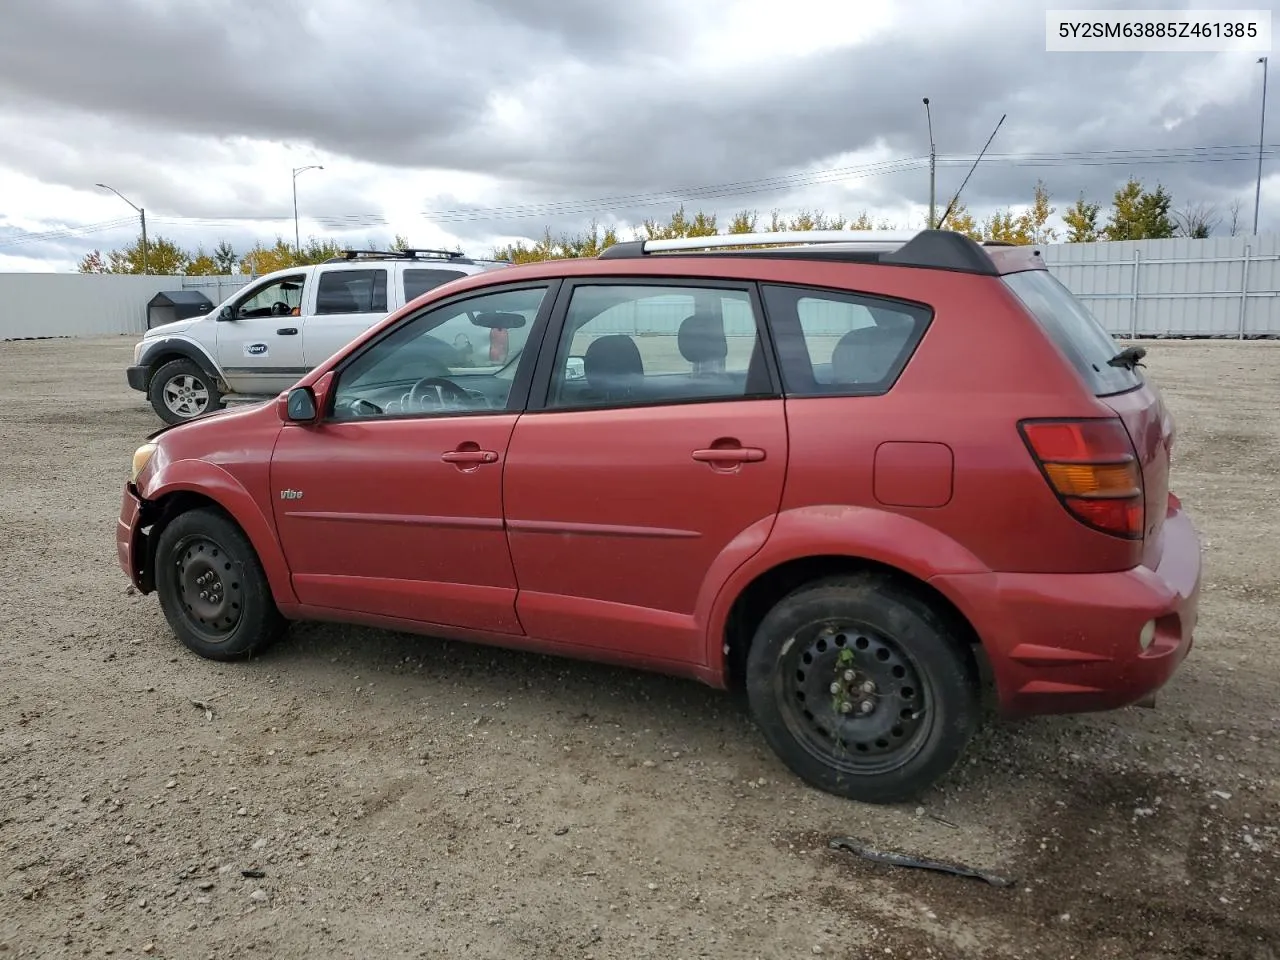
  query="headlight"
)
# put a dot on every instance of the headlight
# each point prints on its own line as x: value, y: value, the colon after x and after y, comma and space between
x: 137, y: 351
x: 141, y: 457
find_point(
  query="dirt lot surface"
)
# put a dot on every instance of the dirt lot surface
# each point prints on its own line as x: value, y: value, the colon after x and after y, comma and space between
x: 404, y: 797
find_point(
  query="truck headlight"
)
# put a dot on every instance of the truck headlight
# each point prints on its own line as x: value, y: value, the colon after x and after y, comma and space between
x: 141, y: 457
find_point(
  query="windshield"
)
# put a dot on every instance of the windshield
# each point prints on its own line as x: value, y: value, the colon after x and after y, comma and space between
x: 1074, y: 329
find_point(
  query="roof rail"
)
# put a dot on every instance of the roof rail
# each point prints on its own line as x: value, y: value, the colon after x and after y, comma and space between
x: 409, y: 253
x: 422, y: 251
x: 938, y: 249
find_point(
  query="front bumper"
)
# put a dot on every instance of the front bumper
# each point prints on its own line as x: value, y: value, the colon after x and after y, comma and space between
x: 1069, y: 643
x: 137, y: 377
x: 130, y: 540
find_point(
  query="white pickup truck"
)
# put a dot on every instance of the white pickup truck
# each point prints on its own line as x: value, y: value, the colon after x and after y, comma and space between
x: 266, y: 336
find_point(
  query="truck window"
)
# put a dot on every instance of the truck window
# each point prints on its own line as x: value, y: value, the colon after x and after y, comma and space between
x: 352, y: 291
x: 418, y: 282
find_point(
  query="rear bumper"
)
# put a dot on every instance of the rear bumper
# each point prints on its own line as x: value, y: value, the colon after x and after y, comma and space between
x: 130, y: 540
x: 1069, y: 643
x: 137, y: 377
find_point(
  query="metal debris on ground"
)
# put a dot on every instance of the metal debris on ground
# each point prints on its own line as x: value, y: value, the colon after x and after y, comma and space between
x: 205, y: 706
x: 922, y: 863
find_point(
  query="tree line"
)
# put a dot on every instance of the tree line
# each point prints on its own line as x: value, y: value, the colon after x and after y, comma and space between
x: 1136, y: 213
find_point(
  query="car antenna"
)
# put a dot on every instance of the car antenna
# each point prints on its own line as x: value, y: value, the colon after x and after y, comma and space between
x: 951, y: 205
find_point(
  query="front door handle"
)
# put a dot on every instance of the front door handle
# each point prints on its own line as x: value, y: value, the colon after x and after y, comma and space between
x: 287, y: 331
x: 470, y: 456
x: 729, y: 455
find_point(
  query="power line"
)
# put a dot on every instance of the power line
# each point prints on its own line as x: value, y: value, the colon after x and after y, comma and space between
x: 63, y: 232
x: 566, y: 208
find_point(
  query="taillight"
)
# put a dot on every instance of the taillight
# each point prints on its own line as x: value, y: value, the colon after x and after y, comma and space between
x: 1092, y: 467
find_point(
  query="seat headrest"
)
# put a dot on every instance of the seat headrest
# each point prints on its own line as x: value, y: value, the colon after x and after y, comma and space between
x: 611, y: 361
x: 867, y: 354
x: 701, y: 339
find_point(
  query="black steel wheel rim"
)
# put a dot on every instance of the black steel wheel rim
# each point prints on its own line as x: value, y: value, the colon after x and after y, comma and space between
x: 853, y: 697
x: 210, y: 587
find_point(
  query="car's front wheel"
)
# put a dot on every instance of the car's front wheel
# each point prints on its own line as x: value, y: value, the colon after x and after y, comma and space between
x: 862, y: 689
x: 180, y: 390
x: 212, y: 587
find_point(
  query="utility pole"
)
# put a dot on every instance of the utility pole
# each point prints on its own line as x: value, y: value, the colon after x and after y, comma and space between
x: 1257, y: 194
x: 297, y: 241
x: 141, y: 213
x: 933, y: 168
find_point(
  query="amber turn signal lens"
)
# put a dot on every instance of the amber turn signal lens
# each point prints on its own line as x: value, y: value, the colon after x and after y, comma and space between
x: 1092, y: 467
x: 1095, y: 479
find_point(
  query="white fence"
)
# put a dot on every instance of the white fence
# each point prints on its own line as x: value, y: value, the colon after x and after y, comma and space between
x: 91, y: 305
x: 1219, y: 287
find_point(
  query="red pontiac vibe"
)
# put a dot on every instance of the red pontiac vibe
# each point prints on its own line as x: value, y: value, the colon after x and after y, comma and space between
x: 839, y: 472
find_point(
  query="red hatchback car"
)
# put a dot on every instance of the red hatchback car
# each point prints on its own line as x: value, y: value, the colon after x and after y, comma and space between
x: 840, y: 473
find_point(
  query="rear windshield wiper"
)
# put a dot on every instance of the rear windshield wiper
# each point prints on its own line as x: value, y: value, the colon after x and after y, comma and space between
x: 1129, y: 357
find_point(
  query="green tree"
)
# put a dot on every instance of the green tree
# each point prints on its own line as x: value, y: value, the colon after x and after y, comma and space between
x: 202, y: 265
x: 225, y: 257
x: 679, y: 225
x: 1035, y: 221
x: 588, y: 244
x: 1139, y: 214
x: 164, y: 257
x: 1081, y: 219
x: 744, y: 221
x: 262, y: 259
x: 962, y: 221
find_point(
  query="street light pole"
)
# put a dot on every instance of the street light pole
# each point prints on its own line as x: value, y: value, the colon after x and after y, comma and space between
x: 141, y: 213
x: 297, y: 240
x: 1257, y: 194
x: 933, y: 159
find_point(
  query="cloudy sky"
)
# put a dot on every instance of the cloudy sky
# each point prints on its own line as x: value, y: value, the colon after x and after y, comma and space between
x: 480, y: 121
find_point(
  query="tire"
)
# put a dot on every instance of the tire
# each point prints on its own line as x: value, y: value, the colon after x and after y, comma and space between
x: 180, y: 391
x: 857, y: 742
x: 212, y: 587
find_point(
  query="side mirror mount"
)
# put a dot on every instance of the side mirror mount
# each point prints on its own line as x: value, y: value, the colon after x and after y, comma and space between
x: 575, y: 368
x: 301, y: 405
x: 226, y: 313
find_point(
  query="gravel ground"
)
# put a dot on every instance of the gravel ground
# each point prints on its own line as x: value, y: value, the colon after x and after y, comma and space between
x: 404, y: 797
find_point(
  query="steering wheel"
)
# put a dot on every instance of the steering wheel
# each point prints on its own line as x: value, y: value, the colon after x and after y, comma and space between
x: 442, y: 386
x: 280, y: 309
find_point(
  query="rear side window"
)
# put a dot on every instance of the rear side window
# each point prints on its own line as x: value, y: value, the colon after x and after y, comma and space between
x: 418, y: 282
x: 352, y: 291
x: 1074, y: 329
x: 841, y: 344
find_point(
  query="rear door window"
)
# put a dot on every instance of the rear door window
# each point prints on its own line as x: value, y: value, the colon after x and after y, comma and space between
x: 1075, y: 330
x: 352, y: 291
x: 832, y: 343
x: 418, y: 282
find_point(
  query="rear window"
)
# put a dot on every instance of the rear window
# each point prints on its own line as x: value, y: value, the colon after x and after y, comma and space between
x: 418, y: 282
x: 1074, y: 329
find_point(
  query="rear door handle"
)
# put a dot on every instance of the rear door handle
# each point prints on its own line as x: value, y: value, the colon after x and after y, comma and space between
x: 470, y: 456
x: 729, y: 455
x: 287, y: 331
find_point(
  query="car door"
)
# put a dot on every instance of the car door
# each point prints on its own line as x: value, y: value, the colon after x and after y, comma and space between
x: 655, y: 444
x: 390, y: 504
x: 347, y: 302
x: 260, y: 337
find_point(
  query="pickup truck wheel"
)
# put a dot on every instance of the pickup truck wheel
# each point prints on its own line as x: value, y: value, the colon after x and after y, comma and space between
x: 212, y: 587
x: 180, y: 390
x: 862, y: 689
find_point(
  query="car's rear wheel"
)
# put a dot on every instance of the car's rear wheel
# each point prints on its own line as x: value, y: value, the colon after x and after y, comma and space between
x: 180, y: 390
x: 862, y: 689
x: 212, y: 588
